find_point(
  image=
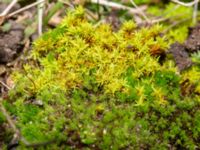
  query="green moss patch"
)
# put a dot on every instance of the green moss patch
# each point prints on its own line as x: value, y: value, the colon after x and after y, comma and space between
x: 86, y: 86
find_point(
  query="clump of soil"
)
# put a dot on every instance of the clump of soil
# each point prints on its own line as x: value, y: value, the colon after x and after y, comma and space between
x: 11, y: 42
x: 181, y: 52
x: 181, y: 56
x: 192, y: 44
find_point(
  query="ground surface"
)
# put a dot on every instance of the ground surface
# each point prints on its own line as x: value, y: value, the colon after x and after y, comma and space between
x: 15, y: 44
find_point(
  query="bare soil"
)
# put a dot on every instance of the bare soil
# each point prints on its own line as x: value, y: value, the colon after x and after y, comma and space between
x: 181, y: 52
x: 11, y: 42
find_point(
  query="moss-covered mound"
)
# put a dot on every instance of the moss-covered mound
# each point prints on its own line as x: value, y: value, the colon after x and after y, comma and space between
x: 86, y: 86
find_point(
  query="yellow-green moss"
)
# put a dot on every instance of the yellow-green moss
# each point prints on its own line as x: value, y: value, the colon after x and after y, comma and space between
x: 105, y: 90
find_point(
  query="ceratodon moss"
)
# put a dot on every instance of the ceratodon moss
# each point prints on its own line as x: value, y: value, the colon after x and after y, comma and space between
x: 105, y: 90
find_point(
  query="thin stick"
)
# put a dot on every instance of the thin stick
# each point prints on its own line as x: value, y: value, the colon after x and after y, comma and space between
x: 195, y: 12
x: 185, y: 4
x: 5, y: 85
x: 195, y: 3
x: 141, y: 12
x: 116, y: 5
x: 175, y: 24
x: 66, y: 3
x: 5, y: 12
x: 40, y: 17
x: 35, y: 145
x: 25, y: 8
x: 166, y: 18
x: 10, y: 6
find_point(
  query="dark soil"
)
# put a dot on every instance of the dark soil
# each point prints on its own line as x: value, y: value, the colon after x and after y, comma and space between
x: 181, y: 52
x: 11, y: 42
x: 192, y: 44
x: 181, y: 56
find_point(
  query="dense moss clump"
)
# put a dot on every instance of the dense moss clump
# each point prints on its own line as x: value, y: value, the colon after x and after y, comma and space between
x: 86, y: 86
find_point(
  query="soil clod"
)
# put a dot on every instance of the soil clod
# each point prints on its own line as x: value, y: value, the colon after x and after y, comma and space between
x: 11, y: 42
x: 192, y: 44
x: 181, y: 56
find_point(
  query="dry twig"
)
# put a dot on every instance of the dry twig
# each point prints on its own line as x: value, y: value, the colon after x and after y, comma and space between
x: 185, y: 4
x: 5, y: 85
x: 6, y: 11
x: 195, y: 11
x: 118, y: 6
x: 40, y: 16
x: 25, y: 8
x: 5, y: 14
x: 175, y: 24
x: 195, y: 3
x: 141, y: 12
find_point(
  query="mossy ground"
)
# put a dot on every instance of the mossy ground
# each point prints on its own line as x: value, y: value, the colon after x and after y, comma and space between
x: 87, y: 87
